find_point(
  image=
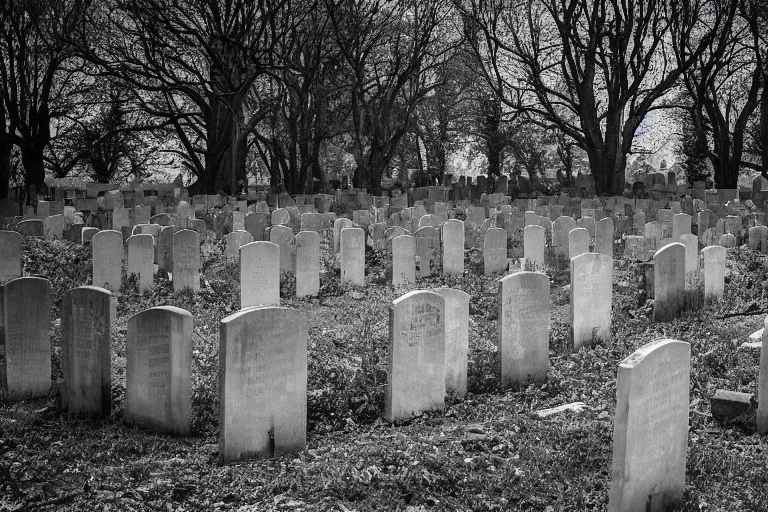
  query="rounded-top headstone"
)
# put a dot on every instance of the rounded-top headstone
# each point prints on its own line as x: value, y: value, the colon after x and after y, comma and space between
x: 10, y: 255
x: 108, y: 254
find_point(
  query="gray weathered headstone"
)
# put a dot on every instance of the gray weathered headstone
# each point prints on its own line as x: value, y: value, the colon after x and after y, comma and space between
x: 141, y: 257
x: 256, y: 223
x: 416, y: 377
x: 262, y: 383
x: 186, y: 260
x: 604, y: 229
x: 681, y: 225
x: 495, y: 251
x: 668, y: 282
x: 762, y: 384
x: 534, y: 241
x: 259, y: 274
x: 591, y: 298
x: 283, y: 237
x: 31, y: 228
x: 26, y: 314
x: 523, y: 328
x: 338, y: 225
x: 650, y: 431
x: 10, y: 255
x: 352, y: 243
x: 578, y: 242
x: 691, y: 243
x: 165, y: 248
x: 456, y: 339
x: 158, y: 370
x: 560, y: 244
x: 86, y: 360
x: 234, y: 241
x: 427, y: 250
x: 307, y: 247
x: 403, y: 260
x: 108, y: 257
x: 453, y: 247
x: 713, y: 272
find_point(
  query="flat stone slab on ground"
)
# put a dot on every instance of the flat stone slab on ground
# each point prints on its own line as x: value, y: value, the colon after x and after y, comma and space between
x: 727, y: 405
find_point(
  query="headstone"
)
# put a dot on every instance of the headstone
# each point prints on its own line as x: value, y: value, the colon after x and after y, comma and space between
x: 283, y: 237
x: 681, y: 225
x: 758, y: 237
x: 280, y: 217
x: 762, y: 384
x: 578, y: 242
x: 26, y: 310
x: 534, y: 241
x: 427, y: 250
x: 54, y: 227
x: 255, y: 224
x: 31, y: 228
x: 186, y: 260
x: 604, y: 229
x: 560, y: 241
x: 691, y: 243
x: 158, y: 370
x: 456, y: 339
x: 352, y: 242
x: 198, y: 225
x: 86, y: 360
x: 307, y: 247
x: 714, y: 272
x: 650, y: 431
x: 591, y: 298
x: 523, y: 328
x: 338, y: 225
x: 416, y: 376
x: 234, y: 241
x: 141, y: 258
x: 165, y: 248
x: 107, y: 257
x: 403, y: 260
x: 668, y: 281
x: 10, y: 255
x: 86, y: 235
x: 453, y: 247
x: 495, y: 251
x: 262, y: 383
x: 259, y: 274
x: 588, y: 223
x: 727, y: 240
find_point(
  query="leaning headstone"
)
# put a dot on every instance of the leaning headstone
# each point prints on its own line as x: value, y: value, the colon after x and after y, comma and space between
x: 141, y: 257
x: 10, y: 255
x: 523, y: 328
x: 259, y: 274
x: 495, y: 251
x: 403, y: 260
x: 158, y: 370
x: 714, y: 272
x: 186, y: 260
x: 234, y: 241
x: 534, y: 241
x: 762, y: 384
x: 107, y: 255
x: 668, y: 282
x: 453, y: 247
x: 578, y: 242
x: 262, y: 383
x: 307, y: 247
x: 591, y: 298
x: 650, y: 430
x: 604, y: 229
x: 352, y: 242
x: 26, y: 311
x: 456, y: 339
x: 416, y: 376
x: 86, y: 235
x: 86, y: 360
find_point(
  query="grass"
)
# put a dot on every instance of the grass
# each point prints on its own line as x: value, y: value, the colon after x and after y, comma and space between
x: 486, y: 451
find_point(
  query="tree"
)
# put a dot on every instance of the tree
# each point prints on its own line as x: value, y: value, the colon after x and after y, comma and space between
x: 193, y: 64
x: 392, y: 51
x: 724, y: 90
x: 591, y: 68
x: 38, y: 72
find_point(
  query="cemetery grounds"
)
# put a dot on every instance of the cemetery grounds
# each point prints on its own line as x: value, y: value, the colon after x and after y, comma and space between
x: 486, y: 451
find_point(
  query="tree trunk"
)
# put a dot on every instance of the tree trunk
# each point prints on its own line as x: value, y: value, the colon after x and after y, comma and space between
x: 6, y: 148
x: 763, y: 131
